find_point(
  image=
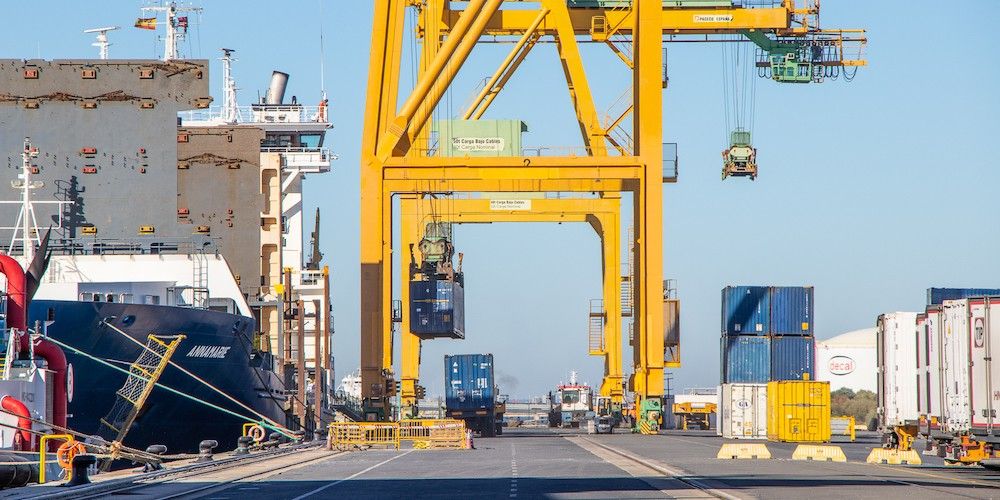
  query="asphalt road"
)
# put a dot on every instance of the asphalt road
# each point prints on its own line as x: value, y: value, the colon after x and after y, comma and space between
x: 560, y: 464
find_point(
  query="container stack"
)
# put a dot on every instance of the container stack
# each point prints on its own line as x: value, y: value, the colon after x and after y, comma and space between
x: 767, y: 335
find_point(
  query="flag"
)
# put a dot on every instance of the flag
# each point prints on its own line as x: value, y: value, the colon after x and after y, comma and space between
x: 182, y: 22
x: 146, y: 23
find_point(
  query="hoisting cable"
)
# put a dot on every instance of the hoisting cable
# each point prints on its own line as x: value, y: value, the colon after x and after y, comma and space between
x: 199, y: 379
x: 263, y: 423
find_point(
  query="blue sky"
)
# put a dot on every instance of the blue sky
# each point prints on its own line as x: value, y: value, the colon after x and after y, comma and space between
x: 871, y: 191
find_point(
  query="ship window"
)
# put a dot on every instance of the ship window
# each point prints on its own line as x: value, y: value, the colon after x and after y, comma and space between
x: 151, y: 299
x: 86, y: 297
x: 110, y: 297
x: 126, y: 298
x: 571, y: 398
x: 310, y: 140
x: 51, y: 314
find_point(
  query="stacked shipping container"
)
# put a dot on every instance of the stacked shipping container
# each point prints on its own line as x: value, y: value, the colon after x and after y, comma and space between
x: 767, y: 334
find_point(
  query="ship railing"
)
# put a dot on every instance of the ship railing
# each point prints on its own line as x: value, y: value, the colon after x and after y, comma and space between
x: 259, y: 113
x: 139, y: 245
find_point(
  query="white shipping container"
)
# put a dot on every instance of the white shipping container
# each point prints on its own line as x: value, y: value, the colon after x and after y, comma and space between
x: 955, y: 366
x: 984, y: 336
x: 743, y: 412
x: 897, y: 369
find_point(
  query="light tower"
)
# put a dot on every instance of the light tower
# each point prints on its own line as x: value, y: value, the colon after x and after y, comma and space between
x: 102, y: 42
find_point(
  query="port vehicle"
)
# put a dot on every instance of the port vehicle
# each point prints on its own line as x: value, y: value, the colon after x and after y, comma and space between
x: 572, y: 403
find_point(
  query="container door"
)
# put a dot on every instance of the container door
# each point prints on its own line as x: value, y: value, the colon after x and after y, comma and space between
x: 955, y: 365
x: 880, y: 384
x: 980, y: 395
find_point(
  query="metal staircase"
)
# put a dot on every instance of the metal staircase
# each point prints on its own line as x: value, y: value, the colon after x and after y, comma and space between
x: 199, y: 280
x: 595, y: 328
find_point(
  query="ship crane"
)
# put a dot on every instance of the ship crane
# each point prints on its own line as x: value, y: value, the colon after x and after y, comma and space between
x: 624, y: 154
x: 102, y: 42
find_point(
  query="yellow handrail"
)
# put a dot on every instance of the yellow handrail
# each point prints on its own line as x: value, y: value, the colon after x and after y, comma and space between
x: 42, y: 454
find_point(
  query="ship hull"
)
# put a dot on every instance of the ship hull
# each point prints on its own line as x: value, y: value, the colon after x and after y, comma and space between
x: 217, y: 348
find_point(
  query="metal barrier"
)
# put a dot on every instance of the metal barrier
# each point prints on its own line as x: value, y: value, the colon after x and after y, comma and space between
x: 345, y: 435
x: 43, y: 454
x: 434, y: 433
x: 842, y: 426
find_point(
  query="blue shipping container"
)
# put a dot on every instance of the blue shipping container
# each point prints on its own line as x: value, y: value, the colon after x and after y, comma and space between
x: 935, y: 296
x: 437, y: 308
x: 746, y: 359
x: 792, y: 310
x: 745, y: 310
x: 468, y: 382
x: 793, y: 356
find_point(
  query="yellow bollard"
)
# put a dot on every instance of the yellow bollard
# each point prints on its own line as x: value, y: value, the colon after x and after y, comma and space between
x: 819, y: 452
x: 739, y: 451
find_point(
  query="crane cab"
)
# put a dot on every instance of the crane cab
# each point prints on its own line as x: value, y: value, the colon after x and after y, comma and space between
x: 740, y: 159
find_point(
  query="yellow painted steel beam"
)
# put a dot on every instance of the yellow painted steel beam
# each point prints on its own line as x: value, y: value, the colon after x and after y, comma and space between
x: 648, y: 204
x: 670, y: 20
x: 432, y: 85
x: 427, y: 84
x: 506, y: 69
x: 602, y: 213
x: 380, y: 108
x: 576, y: 79
x: 429, y: 27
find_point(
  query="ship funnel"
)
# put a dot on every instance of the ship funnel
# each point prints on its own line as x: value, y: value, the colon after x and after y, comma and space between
x: 276, y: 91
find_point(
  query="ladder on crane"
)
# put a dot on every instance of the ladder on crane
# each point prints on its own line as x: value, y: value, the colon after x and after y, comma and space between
x: 595, y: 328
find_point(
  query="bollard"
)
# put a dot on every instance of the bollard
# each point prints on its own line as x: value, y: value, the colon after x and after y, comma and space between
x: 154, y: 449
x: 243, y: 445
x: 205, y: 450
x: 81, y: 469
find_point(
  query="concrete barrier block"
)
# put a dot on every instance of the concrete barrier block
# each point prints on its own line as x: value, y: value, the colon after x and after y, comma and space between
x: 826, y: 453
x: 739, y: 451
x: 894, y: 457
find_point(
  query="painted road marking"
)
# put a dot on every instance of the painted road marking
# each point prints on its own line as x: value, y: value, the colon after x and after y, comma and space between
x: 348, y: 478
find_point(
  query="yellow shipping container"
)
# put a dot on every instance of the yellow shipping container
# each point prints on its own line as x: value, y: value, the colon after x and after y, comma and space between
x: 798, y: 411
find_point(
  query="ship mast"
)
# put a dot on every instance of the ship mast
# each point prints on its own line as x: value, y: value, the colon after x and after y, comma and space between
x: 26, y: 217
x: 173, y: 34
x: 102, y: 42
x: 229, y: 110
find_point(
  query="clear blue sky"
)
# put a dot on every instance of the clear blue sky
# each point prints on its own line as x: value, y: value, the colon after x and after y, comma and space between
x: 871, y: 191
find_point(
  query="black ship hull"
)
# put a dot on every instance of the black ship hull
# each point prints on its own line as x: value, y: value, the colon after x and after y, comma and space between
x: 217, y: 348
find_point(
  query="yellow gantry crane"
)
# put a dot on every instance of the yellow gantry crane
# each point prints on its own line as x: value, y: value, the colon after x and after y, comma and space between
x: 603, y: 215
x: 398, y: 157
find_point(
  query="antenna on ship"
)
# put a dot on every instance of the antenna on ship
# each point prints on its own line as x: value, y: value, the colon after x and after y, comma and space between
x: 177, y: 26
x: 26, y: 218
x: 102, y: 42
x: 230, y: 113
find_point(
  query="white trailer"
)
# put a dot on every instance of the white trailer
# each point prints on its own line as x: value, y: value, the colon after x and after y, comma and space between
x: 929, y: 366
x: 897, y: 369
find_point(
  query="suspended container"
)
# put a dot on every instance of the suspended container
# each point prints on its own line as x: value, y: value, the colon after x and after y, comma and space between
x: 437, y: 308
x: 746, y: 359
x: 793, y: 357
x: 798, y: 411
x: 745, y: 310
x: 743, y: 411
x: 792, y: 310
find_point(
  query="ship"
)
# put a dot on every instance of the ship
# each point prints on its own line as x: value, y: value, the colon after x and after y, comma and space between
x: 160, y: 214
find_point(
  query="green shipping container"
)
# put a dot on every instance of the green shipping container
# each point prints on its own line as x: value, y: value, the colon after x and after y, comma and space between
x: 480, y: 137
